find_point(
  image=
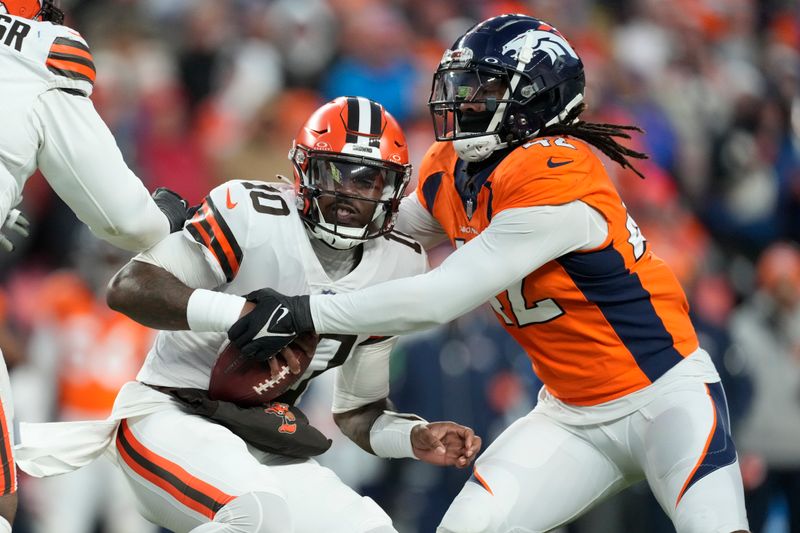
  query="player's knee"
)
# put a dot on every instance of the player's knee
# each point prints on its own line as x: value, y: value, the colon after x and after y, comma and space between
x: 470, y: 512
x: 256, y: 512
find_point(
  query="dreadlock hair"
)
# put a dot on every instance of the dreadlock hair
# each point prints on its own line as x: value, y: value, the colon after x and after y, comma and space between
x: 600, y: 136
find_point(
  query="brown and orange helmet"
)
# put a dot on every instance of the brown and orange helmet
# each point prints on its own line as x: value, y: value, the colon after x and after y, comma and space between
x: 46, y: 10
x: 352, y: 149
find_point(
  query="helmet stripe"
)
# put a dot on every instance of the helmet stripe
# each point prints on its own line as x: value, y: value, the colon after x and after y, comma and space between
x: 375, y: 124
x: 364, y: 120
x: 352, y: 119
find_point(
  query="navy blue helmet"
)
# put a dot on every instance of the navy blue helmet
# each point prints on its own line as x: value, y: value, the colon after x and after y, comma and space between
x: 503, y: 81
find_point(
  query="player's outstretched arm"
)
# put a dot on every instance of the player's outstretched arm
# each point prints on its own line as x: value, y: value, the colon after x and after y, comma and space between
x: 377, y: 429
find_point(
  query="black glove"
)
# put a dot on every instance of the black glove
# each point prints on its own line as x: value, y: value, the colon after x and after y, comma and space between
x: 173, y: 206
x: 272, y: 325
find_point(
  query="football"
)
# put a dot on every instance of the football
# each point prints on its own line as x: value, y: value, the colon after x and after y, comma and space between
x: 247, y: 382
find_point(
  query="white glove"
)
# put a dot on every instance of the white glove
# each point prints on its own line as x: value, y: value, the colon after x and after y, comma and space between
x: 16, y: 222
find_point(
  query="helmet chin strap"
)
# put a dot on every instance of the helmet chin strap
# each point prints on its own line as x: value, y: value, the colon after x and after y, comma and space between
x: 477, y: 148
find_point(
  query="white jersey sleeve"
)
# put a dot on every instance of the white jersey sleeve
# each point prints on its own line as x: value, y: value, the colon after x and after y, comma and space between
x: 517, y: 242
x: 364, y: 377
x: 46, y: 77
x: 184, y: 259
x: 414, y: 220
x: 224, y: 224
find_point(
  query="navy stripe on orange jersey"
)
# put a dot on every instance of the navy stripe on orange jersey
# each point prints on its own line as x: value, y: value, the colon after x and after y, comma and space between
x: 9, y: 471
x: 603, y: 279
x: 71, y: 59
x: 719, y: 450
x: 430, y: 188
x: 209, y: 229
x: 168, y: 476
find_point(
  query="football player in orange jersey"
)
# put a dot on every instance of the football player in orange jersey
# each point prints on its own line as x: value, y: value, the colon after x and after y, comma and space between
x: 542, y: 234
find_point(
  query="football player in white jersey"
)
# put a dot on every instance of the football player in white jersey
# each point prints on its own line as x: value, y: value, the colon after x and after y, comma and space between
x: 49, y: 123
x: 331, y: 233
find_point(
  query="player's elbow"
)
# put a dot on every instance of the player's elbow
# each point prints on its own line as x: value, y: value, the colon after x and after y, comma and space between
x: 120, y: 288
x: 137, y: 235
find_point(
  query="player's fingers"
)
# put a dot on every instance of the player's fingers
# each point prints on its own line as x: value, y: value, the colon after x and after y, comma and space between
x: 424, y: 439
x: 5, y: 244
x: 274, y: 367
x: 290, y: 356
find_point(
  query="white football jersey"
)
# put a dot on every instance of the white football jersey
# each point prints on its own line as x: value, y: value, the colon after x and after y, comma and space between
x: 49, y: 122
x: 253, y: 237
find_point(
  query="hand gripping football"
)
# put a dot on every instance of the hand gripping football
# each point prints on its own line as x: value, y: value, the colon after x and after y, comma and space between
x: 247, y: 382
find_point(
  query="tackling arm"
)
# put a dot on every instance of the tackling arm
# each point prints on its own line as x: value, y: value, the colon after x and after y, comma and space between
x: 414, y: 220
x: 517, y: 242
x: 82, y: 163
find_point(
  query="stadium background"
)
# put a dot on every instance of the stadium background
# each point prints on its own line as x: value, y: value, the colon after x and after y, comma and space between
x: 201, y: 91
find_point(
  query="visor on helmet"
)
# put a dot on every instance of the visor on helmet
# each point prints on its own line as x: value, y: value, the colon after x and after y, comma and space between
x: 468, y: 103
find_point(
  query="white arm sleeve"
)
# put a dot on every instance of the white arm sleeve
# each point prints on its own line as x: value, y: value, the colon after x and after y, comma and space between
x: 414, y: 220
x: 184, y: 259
x: 82, y: 163
x: 517, y: 242
x: 364, y: 377
x: 9, y: 192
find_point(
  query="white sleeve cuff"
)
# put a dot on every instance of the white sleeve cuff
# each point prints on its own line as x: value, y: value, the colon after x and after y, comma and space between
x: 390, y: 434
x: 212, y: 310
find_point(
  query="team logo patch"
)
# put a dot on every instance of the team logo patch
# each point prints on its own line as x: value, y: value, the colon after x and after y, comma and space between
x: 282, y: 410
x: 552, y: 44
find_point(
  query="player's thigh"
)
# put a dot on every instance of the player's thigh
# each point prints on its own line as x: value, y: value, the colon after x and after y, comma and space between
x: 184, y: 469
x: 537, y: 475
x: 689, y: 459
x: 320, y: 501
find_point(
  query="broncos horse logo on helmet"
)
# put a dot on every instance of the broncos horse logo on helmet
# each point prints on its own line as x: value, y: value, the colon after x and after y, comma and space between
x: 44, y: 10
x: 502, y: 82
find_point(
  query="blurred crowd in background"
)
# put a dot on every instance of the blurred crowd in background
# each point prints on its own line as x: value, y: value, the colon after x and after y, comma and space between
x: 201, y: 91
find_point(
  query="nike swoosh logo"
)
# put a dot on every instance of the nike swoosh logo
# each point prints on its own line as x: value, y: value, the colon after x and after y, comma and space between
x: 284, y: 311
x: 228, y: 201
x: 554, y: 164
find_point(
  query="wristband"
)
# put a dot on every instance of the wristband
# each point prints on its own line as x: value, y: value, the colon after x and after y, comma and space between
x: 212, y: 310
x: 390, y: 434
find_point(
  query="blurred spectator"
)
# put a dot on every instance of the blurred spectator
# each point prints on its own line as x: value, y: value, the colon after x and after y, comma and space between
x: 377, y: 62
x: 201, y: 91
x: 79, y: 355
x: 766, y: 329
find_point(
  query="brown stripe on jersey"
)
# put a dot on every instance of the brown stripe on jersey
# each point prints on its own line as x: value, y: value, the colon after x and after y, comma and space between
x: 209, y: 229
x: 9, y: 472
x: 168, y: 476
x: 70, y: 69
x: 71, y: 42
x: 71, y: 59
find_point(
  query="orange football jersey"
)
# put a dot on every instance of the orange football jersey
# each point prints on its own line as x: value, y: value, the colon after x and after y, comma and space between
x: 596, y: 324
x: 98, y: 350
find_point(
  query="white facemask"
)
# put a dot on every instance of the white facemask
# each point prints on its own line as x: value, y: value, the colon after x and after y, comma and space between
x: 477, y: 148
